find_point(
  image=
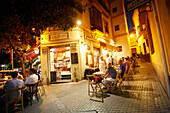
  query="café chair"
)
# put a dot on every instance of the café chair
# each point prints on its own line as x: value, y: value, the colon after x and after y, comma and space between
x: 41, y: 86
x: 32, y: 90
x: 118, y: 83
x: 15, y: 104
x: 94, y: 87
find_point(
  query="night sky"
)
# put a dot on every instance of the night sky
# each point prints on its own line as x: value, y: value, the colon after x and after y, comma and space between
x: 129, y: 17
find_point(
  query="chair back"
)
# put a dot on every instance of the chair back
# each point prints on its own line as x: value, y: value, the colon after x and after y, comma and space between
x: 32, y: 88
x: 14, y: 101
x: 41, y: 82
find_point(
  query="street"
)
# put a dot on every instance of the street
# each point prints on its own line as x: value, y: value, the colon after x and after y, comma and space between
x: 145, y: 94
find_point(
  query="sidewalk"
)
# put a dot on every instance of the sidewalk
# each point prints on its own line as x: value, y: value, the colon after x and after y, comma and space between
x: 145, y: 94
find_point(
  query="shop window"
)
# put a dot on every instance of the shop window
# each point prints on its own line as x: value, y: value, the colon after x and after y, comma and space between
x: 119, y: 48
x: 117, y: 28
x: 114, y: 10
x: 95, y: 19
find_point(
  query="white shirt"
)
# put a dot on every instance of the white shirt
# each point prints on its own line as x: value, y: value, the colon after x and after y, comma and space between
x: 102, y: 65
x: 32, y: 79
x: 108, y: 60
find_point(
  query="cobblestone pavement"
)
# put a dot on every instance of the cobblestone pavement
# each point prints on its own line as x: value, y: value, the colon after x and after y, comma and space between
x: 145, y: 94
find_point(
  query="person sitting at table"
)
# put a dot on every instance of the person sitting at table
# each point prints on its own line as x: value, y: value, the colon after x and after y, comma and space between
x: 127, y: 65
x: 3, y: 77
x: 20, y: 77
x: 13, y: 84
x: 121, y: 68
x: 110, y: 76
x: 102, y: 64
x: 33, y: 78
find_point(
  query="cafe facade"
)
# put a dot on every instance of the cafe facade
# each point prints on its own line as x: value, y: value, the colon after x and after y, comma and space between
x: 66, y: 52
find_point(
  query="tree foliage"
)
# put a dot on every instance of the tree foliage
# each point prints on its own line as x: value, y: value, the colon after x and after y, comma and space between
x: 19, y: 17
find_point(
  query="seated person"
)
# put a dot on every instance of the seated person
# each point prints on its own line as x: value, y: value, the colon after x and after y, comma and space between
x: 33, y: 78
x: 13, y: 84
x: 121, y: 68
x: 127, y: 65
x: 111, y: 76
x: 3, y: 77
x: 20, y: 77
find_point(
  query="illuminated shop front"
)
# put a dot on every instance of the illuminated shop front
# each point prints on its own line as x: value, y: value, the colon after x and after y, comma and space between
x: 62, y: 51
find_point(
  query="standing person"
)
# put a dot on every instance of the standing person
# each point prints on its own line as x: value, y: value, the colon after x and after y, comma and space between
x: 112, y: 60
x: 102, y: 64
x: 108, y: 59
x: 13, y: 84
x: 33, y: 78
x: 123, y: 59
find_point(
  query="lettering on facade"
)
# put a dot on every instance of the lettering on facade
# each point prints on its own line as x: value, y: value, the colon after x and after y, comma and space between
x: 44, y: 50
x: 58, y: 36
x: 135, y: 4
x: 73, y: 48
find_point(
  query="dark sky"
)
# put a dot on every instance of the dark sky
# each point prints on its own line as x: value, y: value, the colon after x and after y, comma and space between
x: 129, y: 17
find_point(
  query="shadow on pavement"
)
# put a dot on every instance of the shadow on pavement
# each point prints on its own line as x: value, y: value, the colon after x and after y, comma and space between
x: 138, y: 88
x: 125, y: 94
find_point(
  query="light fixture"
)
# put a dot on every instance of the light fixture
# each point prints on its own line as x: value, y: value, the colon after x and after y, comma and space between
x: 132, y: 35
x: 36, y: 50
x: 79, y: 22
x: 33, y: 29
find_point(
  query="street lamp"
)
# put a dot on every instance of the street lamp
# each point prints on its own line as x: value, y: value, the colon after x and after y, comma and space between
x: 36, y: 50
x: 132, y: 35
x: 79, y: 22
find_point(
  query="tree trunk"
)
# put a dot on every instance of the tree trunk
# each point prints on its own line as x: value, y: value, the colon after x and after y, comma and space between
x: 23, y: 67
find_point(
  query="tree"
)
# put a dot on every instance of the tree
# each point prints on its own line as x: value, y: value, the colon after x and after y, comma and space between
x: 22, y: 20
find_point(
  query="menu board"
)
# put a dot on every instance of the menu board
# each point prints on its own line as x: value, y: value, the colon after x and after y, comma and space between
x: 74, y: 58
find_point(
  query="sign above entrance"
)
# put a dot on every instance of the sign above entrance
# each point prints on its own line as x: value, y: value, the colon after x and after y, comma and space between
x: 58, y: 36
x: 135, y: 4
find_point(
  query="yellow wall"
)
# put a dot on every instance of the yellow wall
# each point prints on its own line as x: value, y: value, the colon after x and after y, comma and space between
x: 164, y: 20
x: 156, y: 58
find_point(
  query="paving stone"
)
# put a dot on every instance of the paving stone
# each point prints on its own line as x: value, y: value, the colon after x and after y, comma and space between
x: 145, y: 94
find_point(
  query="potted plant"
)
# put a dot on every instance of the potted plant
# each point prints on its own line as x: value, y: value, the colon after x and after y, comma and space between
x: 75, y: 74
x: 48, y: 80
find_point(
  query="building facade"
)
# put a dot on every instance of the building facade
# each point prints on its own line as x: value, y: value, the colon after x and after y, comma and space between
x: 66, y: 52
x: 152, y: 23
x: 120, y: 28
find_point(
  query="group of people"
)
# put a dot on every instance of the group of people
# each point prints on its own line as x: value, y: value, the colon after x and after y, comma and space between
x: 18, y: 82
x: 111, y: 73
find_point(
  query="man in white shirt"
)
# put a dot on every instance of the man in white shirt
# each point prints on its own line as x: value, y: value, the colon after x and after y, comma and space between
x: 33, y: 78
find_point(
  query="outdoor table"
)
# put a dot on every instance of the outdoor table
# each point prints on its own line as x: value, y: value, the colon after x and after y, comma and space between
x: 99, y: 73
x: 116, y: 67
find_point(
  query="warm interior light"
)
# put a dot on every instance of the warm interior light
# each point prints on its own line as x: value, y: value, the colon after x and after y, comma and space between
x: 132, y: 35
x: 79, y: 22
x: 86, y: 47
x: 33, y: 29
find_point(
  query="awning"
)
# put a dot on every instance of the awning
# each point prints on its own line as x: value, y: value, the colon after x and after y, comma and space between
x: 31, y: 54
